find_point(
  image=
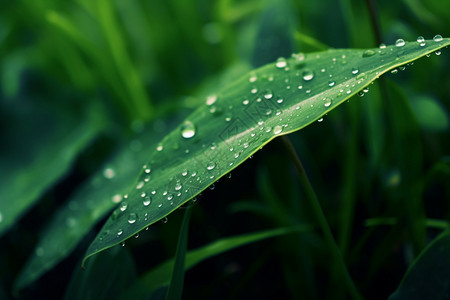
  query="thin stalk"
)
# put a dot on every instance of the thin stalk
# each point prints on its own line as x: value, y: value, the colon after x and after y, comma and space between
x: 320, y: 216
x: 349, y: 183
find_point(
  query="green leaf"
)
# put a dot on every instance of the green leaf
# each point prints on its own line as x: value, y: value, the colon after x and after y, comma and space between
x: 160, y: 275
x: 430, y: 113
x: 428, y: 277
x: 89, y: 204
x: 175, y: 290
x: 43, y: 141
x: 104, y: 278
x: 273, y: 100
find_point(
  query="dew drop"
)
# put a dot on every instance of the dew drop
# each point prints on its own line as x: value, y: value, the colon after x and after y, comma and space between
x: 119, y: 232
x: 320, y: 120
x: 132, y: 218
x: 187, y: 130
x: 252, y: 78
x: 281, y: 63
x: 280, y: 101
x: 268, y: 94
x: 159, y: 148
x: 165, y: 220
x: 361, y: 76
x: 394, y: 71
x: 116, y: 199
x: 299, y: 57
x: 400, y: 43
x: 277, y: 129
x: 245, y: 102
x: 421, y: 41
x: 331, y: 83
x: 211, y: 99
x: 307, y: 75
x: 211, y: 166
x: 327, y: 102
x: 437, y: 38
x: 355, y: 71
x: 368, y: 53
x: 109, y: 173
x: 140, y: 185
x: 147, y: 200
x: 382, y: 46
x: 178, y: 186
x: 123, y: 206
x: 437, y: 52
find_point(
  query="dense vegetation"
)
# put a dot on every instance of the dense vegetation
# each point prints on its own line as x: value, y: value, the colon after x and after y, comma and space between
x: 117, y: 115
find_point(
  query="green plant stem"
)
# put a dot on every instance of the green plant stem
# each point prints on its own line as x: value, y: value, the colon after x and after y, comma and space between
x: 175, y: 290
x: 349, y: 183
x: 319, y: 214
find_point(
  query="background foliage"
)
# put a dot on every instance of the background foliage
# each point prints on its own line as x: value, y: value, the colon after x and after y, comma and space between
x: 87, y: 86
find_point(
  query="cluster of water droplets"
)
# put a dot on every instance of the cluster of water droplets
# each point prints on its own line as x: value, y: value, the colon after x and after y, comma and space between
x: 250, y: 122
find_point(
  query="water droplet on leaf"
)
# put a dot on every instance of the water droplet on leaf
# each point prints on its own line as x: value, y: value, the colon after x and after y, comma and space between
x: 187, y: 130
x: 437, y: 38
x: 368, y: 53
x: 281, y: 63
x: 211, y: 166
x: 307, y: 74
x: 123, y: 206
x: 147, y: 201
x: 210, y: 100
x: 268, y: 94
x: 421, y: 41
x: 132, y: 218
x: 277, y: 129
x: 400, y: 43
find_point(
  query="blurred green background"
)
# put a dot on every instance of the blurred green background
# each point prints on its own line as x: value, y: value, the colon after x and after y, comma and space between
x: 79, y: 79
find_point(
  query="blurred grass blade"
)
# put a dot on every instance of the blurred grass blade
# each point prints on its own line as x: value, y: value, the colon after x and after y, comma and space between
x: 43, y: 142
x: 273, y: 100
x: 105, y: 277
x: 175, y: 290
x: 89, y: 204
x: 429, y: 276
x: 160, y: 275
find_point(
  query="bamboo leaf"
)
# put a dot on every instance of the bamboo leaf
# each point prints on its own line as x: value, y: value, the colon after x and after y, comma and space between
x: 274, y: 100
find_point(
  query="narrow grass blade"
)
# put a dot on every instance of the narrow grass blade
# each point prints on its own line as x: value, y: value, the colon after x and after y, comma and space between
x: 160, y: 275
x: 43, y: 142
x: 273, y: 100
x: 175, y: 290
x: 106, y: 276
x: 89, y: 204
x: 428, y: 277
